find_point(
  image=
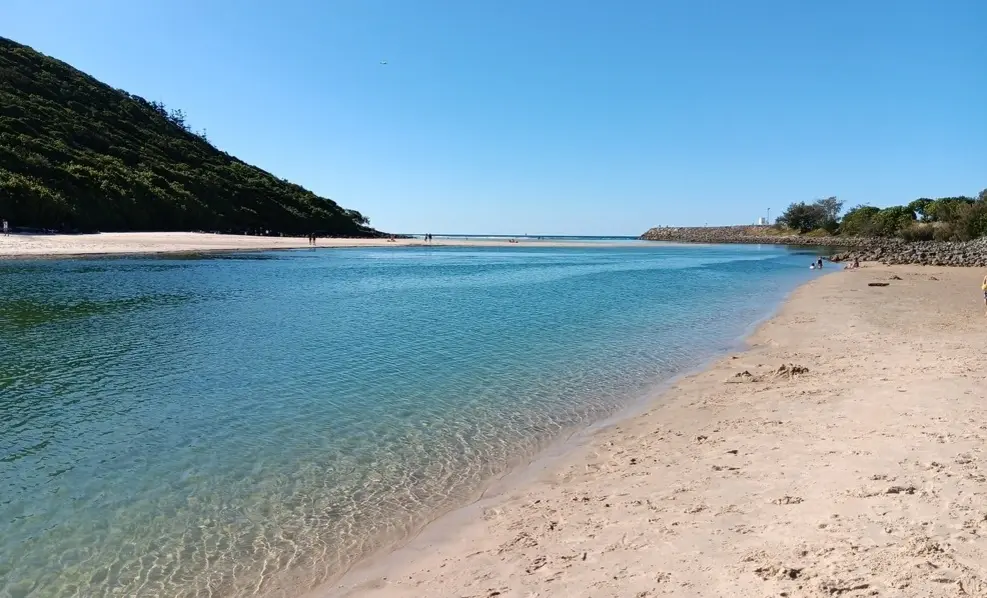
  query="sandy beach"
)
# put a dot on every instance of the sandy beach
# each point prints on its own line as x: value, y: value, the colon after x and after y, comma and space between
x: 842, y: 454
x: 144, y: 243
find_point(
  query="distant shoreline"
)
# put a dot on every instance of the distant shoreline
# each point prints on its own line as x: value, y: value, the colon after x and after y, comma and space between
x: 21, y: 246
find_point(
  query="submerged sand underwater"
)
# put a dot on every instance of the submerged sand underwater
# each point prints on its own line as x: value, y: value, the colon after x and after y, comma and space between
x: 864, y: 474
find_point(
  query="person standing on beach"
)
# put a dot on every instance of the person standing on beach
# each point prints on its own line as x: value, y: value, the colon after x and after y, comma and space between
x: 6, y: 228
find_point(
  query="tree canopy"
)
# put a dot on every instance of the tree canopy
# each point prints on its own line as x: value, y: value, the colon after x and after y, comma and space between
x: 856, y: 222
x: 821, y: 214
x: 947, y: 218
x: 802, y: 217
x: 78, y: 155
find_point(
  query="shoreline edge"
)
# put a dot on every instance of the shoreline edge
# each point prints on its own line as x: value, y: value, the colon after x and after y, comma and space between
x: 726, y: 469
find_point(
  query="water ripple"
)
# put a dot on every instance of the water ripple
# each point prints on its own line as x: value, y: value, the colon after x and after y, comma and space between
x: 251, y: 425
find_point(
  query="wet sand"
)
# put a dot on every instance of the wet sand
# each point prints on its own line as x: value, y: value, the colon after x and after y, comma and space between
x: 145, y: 243
x: 843, y: 454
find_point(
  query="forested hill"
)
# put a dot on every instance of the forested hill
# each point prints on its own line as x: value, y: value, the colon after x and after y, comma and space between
x: 78, y: 155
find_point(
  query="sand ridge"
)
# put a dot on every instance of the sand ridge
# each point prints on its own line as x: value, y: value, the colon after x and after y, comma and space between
x: 843, y: 454
x: 178, y: 242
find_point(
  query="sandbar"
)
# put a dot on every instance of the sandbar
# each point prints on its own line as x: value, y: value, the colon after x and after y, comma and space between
x: 25, y: 246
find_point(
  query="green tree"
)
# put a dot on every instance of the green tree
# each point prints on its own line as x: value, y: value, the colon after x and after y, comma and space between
x: 971, y: 220
x: 358, y: 217
x: 946, y: 209
x: 803, y: 217
x: 859, y: 221
x: 160, y: 108
x: 178, y: 117
x: 920, y: 208
x: 831, y: 207
x: 890, y: 221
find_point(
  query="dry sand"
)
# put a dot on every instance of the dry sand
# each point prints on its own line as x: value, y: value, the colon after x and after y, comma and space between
x: 865, y: 475
x: 138, y: 243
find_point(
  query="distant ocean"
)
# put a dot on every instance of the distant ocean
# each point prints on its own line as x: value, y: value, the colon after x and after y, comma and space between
x: 548, y: 238
x: 252, y: 424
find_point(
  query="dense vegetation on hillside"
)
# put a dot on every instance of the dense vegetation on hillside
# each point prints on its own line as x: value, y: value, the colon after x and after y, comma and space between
x: 943, y: 219
x: 76, y: 154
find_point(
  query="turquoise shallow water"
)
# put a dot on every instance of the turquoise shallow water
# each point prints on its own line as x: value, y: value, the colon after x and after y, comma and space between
x: 252, y: 424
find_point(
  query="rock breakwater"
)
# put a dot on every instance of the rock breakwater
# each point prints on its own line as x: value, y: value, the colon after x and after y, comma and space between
x: 866, y: 249
x: 925, y: 253
x: 748, y: 235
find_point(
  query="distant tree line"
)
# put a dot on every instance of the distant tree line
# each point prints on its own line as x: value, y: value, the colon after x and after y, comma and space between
x: 78, y: 155
x: 944, y: 219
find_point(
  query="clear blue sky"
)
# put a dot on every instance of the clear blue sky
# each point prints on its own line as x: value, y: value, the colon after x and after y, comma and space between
x: 557, y: 116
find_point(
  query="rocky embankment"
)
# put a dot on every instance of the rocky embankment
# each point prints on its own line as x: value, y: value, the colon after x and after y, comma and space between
x: 747, y: 235
x: 925, y: 253
x: 885, y: 251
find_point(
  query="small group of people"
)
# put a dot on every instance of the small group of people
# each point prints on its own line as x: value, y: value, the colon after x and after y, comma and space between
x: 311, y: 239
x: 428, y: 237
x: 818, y: 264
